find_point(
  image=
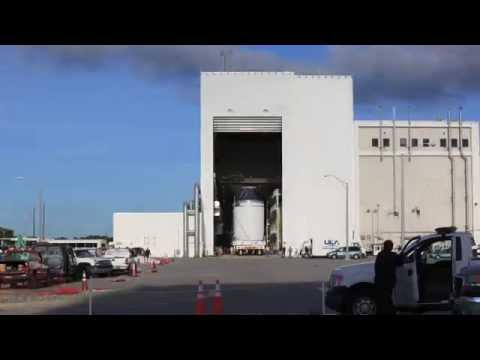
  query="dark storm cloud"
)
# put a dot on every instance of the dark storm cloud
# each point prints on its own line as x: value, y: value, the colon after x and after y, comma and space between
x: 409, y: 73
x: 405, y: 73
x: 164, y: 61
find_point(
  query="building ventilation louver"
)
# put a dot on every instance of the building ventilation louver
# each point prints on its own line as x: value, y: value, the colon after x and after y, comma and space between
x: 255, y: 124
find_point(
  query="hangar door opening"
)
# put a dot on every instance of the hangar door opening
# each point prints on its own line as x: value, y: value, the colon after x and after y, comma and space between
x: 248, y: 184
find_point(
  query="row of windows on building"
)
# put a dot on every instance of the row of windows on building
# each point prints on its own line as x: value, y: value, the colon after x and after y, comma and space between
x: 425, y: 142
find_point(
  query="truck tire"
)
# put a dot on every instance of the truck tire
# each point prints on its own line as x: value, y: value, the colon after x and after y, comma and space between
x: 333, y: 256
x: 362, y: 302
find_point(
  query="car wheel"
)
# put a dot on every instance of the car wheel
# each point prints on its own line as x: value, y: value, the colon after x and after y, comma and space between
x: 333, y: 256
x: 363, y: 303
x: 355, y: 256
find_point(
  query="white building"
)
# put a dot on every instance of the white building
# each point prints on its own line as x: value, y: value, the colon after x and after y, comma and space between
x: 439, y: 178
x: 287, y: 131
x: 311, y: 117
x: 162, y: 233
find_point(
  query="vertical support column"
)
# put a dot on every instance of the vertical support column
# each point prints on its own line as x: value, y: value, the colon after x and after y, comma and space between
x: 394, y: 156
x: 185, y: 230
x: 197, y: 219
x: 402, y: 194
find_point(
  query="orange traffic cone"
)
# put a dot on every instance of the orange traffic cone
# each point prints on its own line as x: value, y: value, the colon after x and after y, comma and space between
x: 217, y: 300
x: 200, y: 305
x: 84, y: 282
x: 154, y: 267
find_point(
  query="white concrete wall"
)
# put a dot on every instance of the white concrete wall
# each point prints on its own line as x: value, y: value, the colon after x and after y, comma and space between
x: 427, y: 179
x: 162, y: 233
x: 317, y: 139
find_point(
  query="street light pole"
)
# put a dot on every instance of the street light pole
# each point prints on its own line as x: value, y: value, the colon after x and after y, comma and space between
x: 347, y: 255
x: 345, y: 183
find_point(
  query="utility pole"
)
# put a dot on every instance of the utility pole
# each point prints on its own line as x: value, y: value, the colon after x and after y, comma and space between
x: 43, y: 223
x: 33, y: 233
x: 402, y: 194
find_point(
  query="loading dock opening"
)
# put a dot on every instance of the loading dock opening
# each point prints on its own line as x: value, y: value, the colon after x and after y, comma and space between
x: 245, y: 159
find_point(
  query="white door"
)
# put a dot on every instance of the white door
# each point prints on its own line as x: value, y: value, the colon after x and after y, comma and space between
x: 406, y: 290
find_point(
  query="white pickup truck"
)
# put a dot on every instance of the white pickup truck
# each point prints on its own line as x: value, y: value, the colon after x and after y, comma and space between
x: 93, y: 264
x: 425, y: 280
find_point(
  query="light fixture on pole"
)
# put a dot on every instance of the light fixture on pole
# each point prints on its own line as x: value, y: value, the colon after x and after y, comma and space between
x: 344, y: 183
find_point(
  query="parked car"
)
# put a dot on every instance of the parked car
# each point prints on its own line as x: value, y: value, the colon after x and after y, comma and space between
x: 23, y: 267
x: 355, y: 252
x: 121, y: 259
x: 89, y: 262
x: 60, y: 260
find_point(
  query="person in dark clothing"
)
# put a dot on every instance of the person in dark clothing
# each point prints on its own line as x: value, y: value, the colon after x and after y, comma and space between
x: 385, y: 278
x: 283, y: 251
x: 147, y: 253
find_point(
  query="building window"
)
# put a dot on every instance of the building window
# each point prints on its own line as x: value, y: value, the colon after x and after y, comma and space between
x: 403, y: 142
x: 386, y: 142
x: 426, y: 142
x: 414, y: 142
x: 374, y: 142
x: 465, y: 142
x: 454, y: 143
x: 443, y: 142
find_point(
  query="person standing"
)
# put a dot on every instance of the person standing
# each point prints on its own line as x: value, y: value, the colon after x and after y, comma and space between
x: 283, y: 251
x: 290, y: 251
x: 386, y: 264
x: 147, y: 254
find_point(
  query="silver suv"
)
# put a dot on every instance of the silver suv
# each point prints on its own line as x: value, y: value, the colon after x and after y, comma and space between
x: 355, y: 252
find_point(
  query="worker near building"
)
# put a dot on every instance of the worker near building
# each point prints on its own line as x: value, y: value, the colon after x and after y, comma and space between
x: 385, y: 278
x: 147, y: 254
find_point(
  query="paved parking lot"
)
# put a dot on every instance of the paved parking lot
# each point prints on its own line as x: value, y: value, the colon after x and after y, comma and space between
x: 250, y: 285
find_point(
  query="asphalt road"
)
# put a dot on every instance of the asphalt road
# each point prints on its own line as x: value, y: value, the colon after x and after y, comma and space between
x: 250, y: 285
